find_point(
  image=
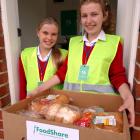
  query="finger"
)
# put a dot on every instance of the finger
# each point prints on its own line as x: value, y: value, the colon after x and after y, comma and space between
x: 28, y: 97
x: 131, y: 118
x: 122, y: 107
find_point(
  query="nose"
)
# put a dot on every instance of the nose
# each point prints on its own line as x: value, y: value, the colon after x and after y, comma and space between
x: 49, y: 37
x: 88, y: 20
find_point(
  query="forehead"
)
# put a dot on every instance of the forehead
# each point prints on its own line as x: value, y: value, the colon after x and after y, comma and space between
x: 90, y: 7
x: 49, y: 27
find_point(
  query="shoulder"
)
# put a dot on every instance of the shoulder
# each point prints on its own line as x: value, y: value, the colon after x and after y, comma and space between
x: 113, y: 36
x: 115, y: 39
x: 28, y: 50
x: 76, y: 38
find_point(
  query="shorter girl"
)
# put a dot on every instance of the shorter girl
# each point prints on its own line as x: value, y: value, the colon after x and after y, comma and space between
x: 39, y: 63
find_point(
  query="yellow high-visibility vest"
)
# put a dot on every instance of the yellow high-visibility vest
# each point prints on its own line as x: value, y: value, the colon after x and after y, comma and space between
x: 99, y: 63
x: 30, y: 65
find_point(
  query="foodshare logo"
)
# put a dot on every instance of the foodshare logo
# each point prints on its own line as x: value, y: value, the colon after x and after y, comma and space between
x: 50, y: 132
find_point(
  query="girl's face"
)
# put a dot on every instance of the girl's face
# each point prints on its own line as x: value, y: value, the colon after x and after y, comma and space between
x: 48, y: 35
x: 92, y: 18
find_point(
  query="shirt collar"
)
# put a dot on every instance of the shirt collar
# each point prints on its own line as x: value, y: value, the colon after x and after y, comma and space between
x: 40, y: 57
x: 101, y: 36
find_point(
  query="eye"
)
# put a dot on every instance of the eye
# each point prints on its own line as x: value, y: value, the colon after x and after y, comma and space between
x: 54, y: 34
x: 83, y: 15
x: 45, y: 32
x: 94, y: 14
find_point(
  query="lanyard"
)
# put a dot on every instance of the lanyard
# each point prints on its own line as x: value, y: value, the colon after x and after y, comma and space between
x: 42, y: 69
x: 87, y: 53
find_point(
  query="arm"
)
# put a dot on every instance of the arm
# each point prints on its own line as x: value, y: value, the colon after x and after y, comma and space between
x: 22, y: 81
x: 128, y: 102
x: 117, y: 74
x: 119, y: 81
x: 46, y: 85
x: 58, y: 78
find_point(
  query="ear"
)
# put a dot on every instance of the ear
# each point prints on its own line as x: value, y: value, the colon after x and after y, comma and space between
x: 105, y: 16
x: 37, y: 33
x: 80, y: 21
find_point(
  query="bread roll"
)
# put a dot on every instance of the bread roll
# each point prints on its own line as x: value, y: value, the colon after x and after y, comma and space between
x: 41, y: 104
x: 67, y: 114
x: 52, y: 110
x: 62, y: 99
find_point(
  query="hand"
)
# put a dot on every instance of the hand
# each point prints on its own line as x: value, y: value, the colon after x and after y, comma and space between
x: 128, y: 103
x: 32, y: 93
x: 28, y: 96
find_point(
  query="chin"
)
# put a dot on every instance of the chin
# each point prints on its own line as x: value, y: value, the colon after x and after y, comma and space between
x: 48, y: 46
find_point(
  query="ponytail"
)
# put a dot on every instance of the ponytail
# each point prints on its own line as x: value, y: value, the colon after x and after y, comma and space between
x: 57, y: 57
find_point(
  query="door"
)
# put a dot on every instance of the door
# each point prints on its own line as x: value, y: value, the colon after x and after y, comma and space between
x: 128, y: 18
x: 10, y: 23
x: 127, y: 24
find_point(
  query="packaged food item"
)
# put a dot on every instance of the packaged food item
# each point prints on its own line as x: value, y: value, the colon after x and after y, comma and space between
x: 111, y: 121
x: 93, y: 109
x: 85, y: 120
x: 50, y: 112
x: 42, y: 103
x: 63, y: 99
x: 39, y: 104
x: 87, y: 115
x: 68, y: 114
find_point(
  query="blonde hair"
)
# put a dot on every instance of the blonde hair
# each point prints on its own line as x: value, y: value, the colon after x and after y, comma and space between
x: 56, y: 54
x: 48, y: 20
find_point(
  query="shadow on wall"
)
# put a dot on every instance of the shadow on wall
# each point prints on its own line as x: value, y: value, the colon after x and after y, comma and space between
x: 65, y: 43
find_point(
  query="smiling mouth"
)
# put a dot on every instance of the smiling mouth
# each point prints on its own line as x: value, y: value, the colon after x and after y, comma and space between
x: 90, y: 28
x: 48, y: 43
x: 90, y: 25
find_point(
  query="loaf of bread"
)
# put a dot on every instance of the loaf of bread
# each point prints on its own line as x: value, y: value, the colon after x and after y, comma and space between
x: 42, y: 103
x: 39, y: 104
x: 52, y: 110
x: 63, y: 99
x: 68, y: 114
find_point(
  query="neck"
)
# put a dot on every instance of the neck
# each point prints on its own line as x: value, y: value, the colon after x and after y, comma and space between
x: 91, y: 37
x: 44, y: 51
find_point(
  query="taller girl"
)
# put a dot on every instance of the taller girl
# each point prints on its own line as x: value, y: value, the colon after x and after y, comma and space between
x: 95, y: 61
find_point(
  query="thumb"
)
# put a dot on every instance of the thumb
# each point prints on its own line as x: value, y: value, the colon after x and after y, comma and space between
x: 29, y: 96
x: 122, y: 107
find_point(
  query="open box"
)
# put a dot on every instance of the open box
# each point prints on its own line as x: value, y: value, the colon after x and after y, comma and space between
x: 16, y: 126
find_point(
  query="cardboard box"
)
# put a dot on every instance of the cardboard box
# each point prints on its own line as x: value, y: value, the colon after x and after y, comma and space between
x: 15, y: 125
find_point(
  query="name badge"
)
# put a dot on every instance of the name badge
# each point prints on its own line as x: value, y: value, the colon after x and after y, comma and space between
x: 83, y: 72
x: 40, y: 83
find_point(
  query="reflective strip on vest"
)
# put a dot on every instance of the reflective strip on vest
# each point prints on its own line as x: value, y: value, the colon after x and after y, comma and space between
x: 88, y: 87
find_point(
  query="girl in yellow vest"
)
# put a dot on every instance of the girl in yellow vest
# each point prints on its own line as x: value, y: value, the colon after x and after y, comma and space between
x: 94, y: 62
x: 37, y: 64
